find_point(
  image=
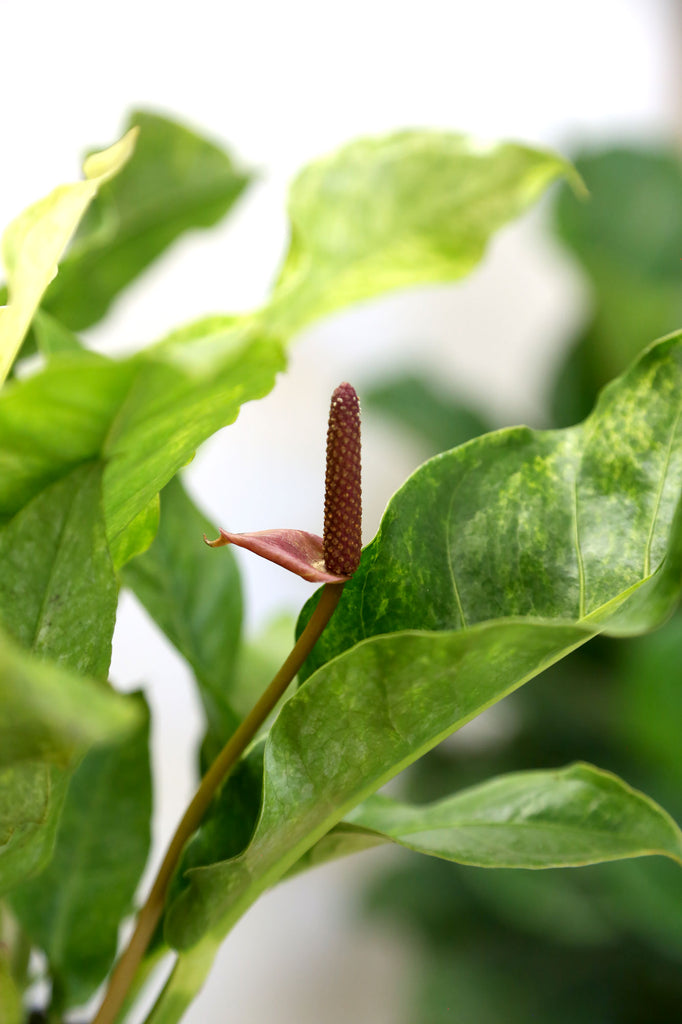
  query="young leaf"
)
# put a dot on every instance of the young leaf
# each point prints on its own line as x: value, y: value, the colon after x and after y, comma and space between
x: 410, y: 208
x: 196, y: 600
x: 548, y: 538
x: 33, y: 244
x: 542, y: 819
x: 176, y: 181
x: 73, y: 909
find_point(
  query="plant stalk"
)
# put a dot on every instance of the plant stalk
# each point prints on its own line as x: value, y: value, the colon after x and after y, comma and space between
x: 148, y: 918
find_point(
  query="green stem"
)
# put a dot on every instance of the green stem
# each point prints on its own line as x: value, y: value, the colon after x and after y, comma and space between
x: 148, y: 918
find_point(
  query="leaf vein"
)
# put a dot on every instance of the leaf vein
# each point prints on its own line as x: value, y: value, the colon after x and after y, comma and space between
x: 659, y: 493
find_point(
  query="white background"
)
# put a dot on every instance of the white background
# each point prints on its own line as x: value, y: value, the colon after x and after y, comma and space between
x: 280, y: 83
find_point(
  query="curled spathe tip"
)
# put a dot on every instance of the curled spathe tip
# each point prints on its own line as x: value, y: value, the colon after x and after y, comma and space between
x: 334, y: 557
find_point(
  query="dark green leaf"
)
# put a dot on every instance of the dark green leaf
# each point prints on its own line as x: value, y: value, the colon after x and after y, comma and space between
x: 73, y: 909
x: 176, y: 181
x: 415, y: 403
x: 548, y: 537
x: 627, y: 240
x: 633, y: 218
x: 195, y: 597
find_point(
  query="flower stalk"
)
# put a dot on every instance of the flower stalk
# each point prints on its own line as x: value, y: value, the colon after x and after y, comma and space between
x: 341, y: 545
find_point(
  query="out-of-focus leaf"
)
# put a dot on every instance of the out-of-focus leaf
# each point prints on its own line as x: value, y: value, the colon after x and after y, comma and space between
x: 33, y: 244
x: 651, y: 709
x: 73, y: 909
x: 410, y: 208
x: 51, y: 336
x: 31, y: 799
x: 633, y: 219
x: 195, y: 598
x: 627, y: 240
x: 11, y: 1007
x: 48, y: 713
x: 413, y: 402
x: 176, y: 181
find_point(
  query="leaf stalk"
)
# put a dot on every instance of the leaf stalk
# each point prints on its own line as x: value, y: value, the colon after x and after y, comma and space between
x: 150, y: 914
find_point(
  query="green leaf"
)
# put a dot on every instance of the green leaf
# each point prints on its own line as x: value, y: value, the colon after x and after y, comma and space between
x: 405, y: 209
x: 51, y: 336
x: 542, y: 819
x: 31, y: 798
x: 73, y: 909
x: 195, y: 598
x: 33, y: 244
x: 176, y: 181
x: 49, y: 717
x: 413, y: 402
x: 547, y: 537
x: 59, y: 592
x: 634, y: 217
x: 48, y: 713
x: 143, y: 416
x: 553, y: 525
x: 626, y: 238
x: 11, y: 1009
x: 136, y: 537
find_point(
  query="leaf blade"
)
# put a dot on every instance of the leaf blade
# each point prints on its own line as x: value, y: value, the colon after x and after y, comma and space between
x: 175, y: 181
x: 386, y: 690
x: 399, y: 210
x: 72, y: 910
x: 33, y: 244
x: 543, y: 819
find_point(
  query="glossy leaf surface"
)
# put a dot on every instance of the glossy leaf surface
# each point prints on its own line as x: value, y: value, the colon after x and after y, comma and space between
x: 545, y: 539
x: 543, y: 819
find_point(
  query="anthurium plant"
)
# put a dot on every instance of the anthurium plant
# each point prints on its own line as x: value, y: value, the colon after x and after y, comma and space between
x: 492, y: 562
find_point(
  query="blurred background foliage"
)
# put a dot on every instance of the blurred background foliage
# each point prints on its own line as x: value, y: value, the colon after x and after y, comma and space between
x: 602, y: 943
